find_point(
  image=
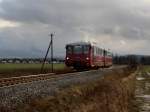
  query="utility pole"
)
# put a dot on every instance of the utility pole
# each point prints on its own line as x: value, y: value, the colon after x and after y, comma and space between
x: 52, y: 51
x: 50, y: 45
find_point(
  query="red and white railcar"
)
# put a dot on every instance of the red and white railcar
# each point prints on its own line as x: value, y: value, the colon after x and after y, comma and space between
x: 86, y: 55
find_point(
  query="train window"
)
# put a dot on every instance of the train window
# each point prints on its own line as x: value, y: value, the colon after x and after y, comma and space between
x: 97, y: 51
x: 105, y: 53
x: 94, y: 50
x: 69, y: 49
x: 77, y: 49
x: 86, y: 49
x: 100, y: 51
x: 109, y: 54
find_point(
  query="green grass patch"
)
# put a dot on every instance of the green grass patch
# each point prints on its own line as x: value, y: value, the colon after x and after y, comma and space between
x: 14, y: 70
x: 4, y: 67
x: 145, y: 69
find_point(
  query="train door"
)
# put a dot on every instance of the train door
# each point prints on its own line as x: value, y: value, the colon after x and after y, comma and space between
x: 104, y: 52
x: 92, y: 56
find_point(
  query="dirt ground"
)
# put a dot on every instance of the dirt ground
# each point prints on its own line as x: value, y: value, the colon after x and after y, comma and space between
x: 142, y: 94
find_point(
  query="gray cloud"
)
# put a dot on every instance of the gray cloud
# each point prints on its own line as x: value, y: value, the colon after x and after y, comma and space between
x: 117, y: 24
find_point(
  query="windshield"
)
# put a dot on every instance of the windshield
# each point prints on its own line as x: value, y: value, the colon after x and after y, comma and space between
x: 69, y: 50
x: 80, y: 49
x: 86, y: 49
x: 77, y: 49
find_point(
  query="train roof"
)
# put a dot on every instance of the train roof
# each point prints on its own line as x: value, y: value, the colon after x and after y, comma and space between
x: 80, y: 43
x: 86, y: 43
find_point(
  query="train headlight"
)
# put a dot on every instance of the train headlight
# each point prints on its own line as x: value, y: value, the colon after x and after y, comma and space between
x: 67, y: 58
x: 87, y: 58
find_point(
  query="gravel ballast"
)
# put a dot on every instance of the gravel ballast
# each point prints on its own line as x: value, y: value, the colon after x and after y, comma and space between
x: 12, y: 96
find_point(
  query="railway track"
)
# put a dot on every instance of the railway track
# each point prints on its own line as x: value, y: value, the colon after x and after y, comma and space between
x: 31, y: 78
x: 23, y: 79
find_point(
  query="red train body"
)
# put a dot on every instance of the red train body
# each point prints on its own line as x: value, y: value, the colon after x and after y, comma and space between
x: 85, y: 55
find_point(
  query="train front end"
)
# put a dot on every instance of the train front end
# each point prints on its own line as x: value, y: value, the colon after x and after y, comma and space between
x: 78, y: 55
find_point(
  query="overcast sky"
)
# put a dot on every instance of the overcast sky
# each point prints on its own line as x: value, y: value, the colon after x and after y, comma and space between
x: 120, y: 25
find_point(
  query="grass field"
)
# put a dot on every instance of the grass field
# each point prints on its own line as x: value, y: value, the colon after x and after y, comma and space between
x: 145, y: 69
x: 10, y: 70
x: 9, y: 67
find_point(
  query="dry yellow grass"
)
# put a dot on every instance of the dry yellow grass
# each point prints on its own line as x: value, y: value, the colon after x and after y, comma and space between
x: 109, y: 94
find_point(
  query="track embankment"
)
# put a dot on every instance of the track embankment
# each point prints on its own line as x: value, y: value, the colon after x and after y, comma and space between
x: 92, y: 91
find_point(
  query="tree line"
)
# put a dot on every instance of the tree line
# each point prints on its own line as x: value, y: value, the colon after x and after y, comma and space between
x: 29, y: 60
x: 132, y: 59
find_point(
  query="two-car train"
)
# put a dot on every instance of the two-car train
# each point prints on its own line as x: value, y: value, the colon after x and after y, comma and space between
x: 86, y: 55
